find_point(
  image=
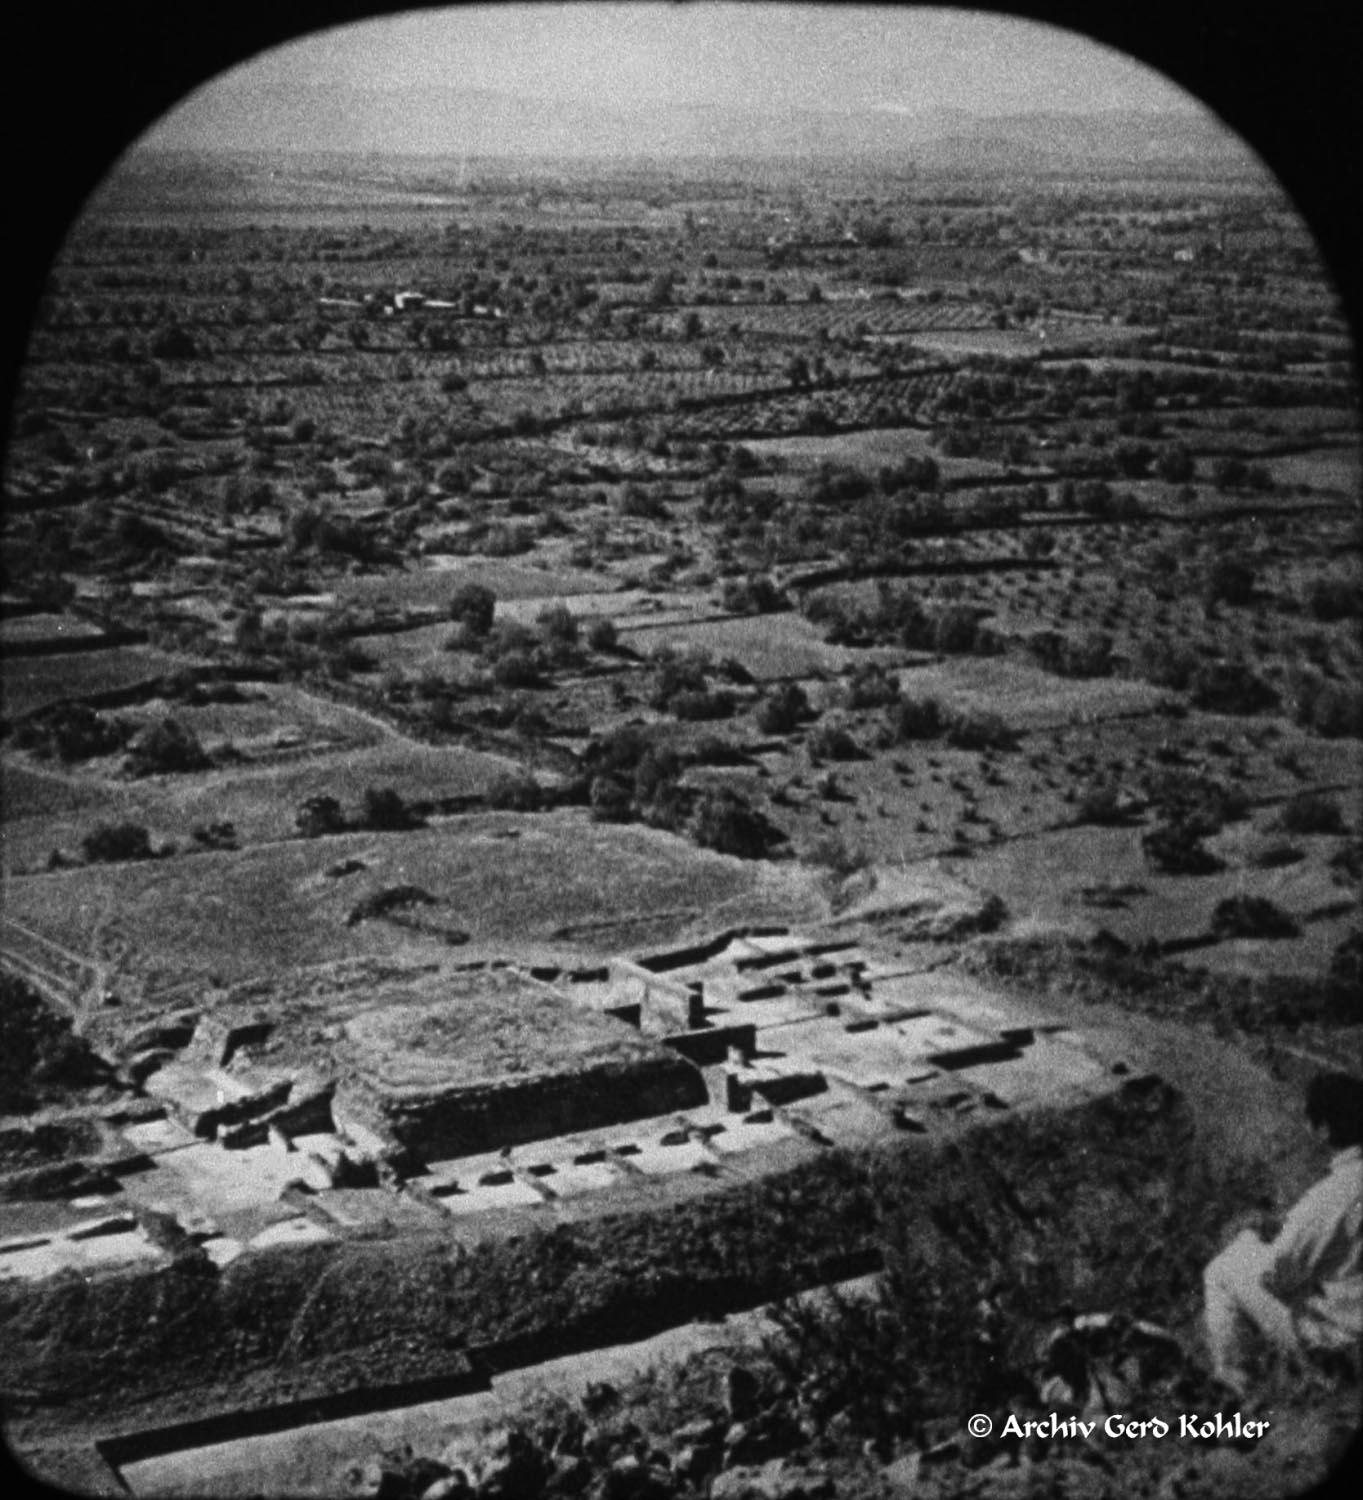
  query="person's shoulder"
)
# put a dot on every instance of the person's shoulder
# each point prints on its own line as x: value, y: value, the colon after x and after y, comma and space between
x: 1348, y: 1165
x: 1334, y: 1193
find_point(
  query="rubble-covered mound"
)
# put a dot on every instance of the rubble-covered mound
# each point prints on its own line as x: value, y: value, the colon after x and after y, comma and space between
x: 499, y: 1059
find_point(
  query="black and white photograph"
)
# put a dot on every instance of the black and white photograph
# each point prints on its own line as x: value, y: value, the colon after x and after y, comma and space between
x: 680, y: 709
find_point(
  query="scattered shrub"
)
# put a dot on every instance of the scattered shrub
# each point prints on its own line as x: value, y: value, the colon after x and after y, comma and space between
x: 676, y: 674
x: 980, y: 731
x: 1101, y: 805
x: 871, y: 686
x: 1346, y: 863
x: 1331, y: 599
x: 1168, y: 664
x: 1252, y: 917
x: 219, y: 835
x: 1202, y: 803
x: 1176, y: 848
x: 1310, y: 812
x: 641, y: 503
x: 1088, y: 655
x: 707, y: 704
x: 557, y: 625
x: 610, y: 800
x: 1231, y: 581
x: 392, y: 898
x: 473, y: 605
x: 40, y: 1056
x: 1231, y: 687
x: 1346, y: 971
x: 602, y: 635
x: 319, y: 816
x: 515, y: 793
x: 915, y: 719
x: 956, y: 629
x: 723, y: 821
x: 831, y: 741
x: 1334, y: 711
x: 754, y: 595
x: 70, y: 732
x: 384, y: 809
x: 112, y: 842
x: 163, y: 748
x: 1275, y: 856
x: 516, y: 669
x: 783, y: 710
x: 833, y: 853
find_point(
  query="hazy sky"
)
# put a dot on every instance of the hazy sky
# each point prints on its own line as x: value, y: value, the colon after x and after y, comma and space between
x: 898, y: 59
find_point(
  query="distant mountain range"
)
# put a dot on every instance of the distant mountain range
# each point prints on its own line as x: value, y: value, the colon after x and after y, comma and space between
x: 479, y: 123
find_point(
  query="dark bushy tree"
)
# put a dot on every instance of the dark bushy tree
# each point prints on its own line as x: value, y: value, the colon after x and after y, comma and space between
x: 723, y: 821
x: 602, y: 635
x: 473, y: 605
x: 163, y: 748
x: 1231, y: 580
x: 980, y: 731
x: 915, y: 719
x: 319, y: 816
x: 783, y: 710
x: 39, y: 1054
x: 113, y: 842
x: 754, y: 595
x: 385, y: 810
x: 1176, y: 848
x: 1245, y: 916
x: 610, y: 800
x: 70, y: 732
x: 1311, y: 812
x: 1232, y: 687
x: 515, y: 793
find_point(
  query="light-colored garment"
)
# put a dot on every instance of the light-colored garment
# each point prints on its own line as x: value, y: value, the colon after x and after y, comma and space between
x: 1303, y: 1291
x: 1316, y: 1262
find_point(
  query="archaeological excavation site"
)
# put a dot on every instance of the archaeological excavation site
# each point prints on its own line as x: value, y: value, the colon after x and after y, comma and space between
x: 397, y: 1116
x: 680, y: 768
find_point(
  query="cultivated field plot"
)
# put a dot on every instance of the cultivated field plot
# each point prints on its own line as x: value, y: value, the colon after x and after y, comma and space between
x: 1026, y: 697
x: 771, y: 647
x: 30, y: 682
x: 1091, y: 879
x: 869, y: 448
x: 1006, y: 343
x: 432, y: 586
x: 263, y: 720
x: 25, y: 632
x: 1331, y: 471
x: 423, y: 649
x: 37, y: 792
x: 260, y: 803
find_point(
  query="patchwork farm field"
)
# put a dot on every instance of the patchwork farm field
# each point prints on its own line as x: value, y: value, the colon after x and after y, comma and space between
x: 30, y: 682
